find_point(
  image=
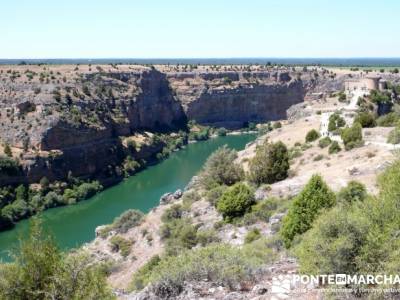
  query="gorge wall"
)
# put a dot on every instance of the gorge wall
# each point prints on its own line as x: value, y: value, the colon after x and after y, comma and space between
x: 69, y: 121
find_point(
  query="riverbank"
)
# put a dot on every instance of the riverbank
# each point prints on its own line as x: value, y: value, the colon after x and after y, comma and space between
x: 74, y: 225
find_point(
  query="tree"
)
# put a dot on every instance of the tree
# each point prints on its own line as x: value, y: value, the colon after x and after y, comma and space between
x: 334, y: 244
x: 235, y: 201
x: 354, y: 191
x: 352, y: 136
x: 334, y: 148
x: 305, y: 208
x: 221, y: 169
x: 41, y: 271
x: 324, y: 142
x: 335, y: 121
x: 7, y: 150
x: 366, y: 119
x: 270, y: 164
x: 45, y: 184
x: 312, y: 136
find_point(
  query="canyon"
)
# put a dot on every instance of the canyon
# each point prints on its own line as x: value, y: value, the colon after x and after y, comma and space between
x: 61, y: 120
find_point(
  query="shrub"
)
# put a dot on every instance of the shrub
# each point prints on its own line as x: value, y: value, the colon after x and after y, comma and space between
x: 261, y: 211
x: 324, y: 142
x: 178, y: 234
x: 41, y: 271
x: 394, y: 136
x: 358, y: 238
x: 352, y: 136
x: 235, y: 201
x: 221, y: 131
x: 366, y: 119
x: 334, y: 243
x: 220, y: 168
x: 205, y: 237
x: 53, y: 199
x: 8, y: 166
x: 318, y: 157
x: 252, y: 235
x: 354, y: 191
x: 227, y: 265
x: 334, y: 148
x: 119, y: 244
x: 312, y: 136
x: 342, y: 97
x: 277, y: 125
x: 7, y: 150
x: 388, y: 120
x: 88, y: 189
x: 130, y: 165
x: 335, y: 122
x: 174, y: 212
x: 270, y: 164
x: 142, y: 276
x: 305, y: 208
x: 379, y: 97
x: 127, y: 220
x: 215, y: 193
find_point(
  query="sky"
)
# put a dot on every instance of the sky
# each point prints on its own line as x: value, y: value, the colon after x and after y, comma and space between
x: 198, y: 29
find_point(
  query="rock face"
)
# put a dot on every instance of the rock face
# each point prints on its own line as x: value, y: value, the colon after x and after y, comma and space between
x: 74, y: 122
x: 233, y: 108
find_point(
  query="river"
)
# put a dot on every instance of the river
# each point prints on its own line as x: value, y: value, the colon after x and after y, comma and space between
x: 75, y: 225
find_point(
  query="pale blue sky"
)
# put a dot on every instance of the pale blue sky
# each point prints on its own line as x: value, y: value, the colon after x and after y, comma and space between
x: 203, y: 28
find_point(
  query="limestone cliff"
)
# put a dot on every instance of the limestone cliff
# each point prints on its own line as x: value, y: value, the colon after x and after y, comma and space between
x: 64, y: 119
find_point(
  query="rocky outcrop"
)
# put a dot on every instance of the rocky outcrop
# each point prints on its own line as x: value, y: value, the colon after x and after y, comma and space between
x: 233, y: 108
x: 74, y: 122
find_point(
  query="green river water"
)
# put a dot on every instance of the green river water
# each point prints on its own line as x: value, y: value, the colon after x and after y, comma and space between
x: 74, y: 225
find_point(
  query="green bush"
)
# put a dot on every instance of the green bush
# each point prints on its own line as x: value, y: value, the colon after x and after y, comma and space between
x: 119, y: 244
x: 318, y: 157
x: 380, y: 97
x: 227, y: 265
x: 215, y: 193
x: 127, y: 220
x: 354, y: 191
x: 8, y: 166
x: 221, y: 131
x: 335, y: 121
x: 358, y: 238
x: 235, y: 201
x: 142, y: 276
x: 366, y: 119
x: 261, y: 211
x: 312, y: 136
x: 221, y: 169
x: 342, y: 97
x: 277, y: 125
x: 324, y: 142
x: 205, y: 237
x: 388, y: 120
x: 394, y: 136
x: 352, y: 136
x: 252, y: 235
x: 178, y: 234
x: 270, y: 164
x: 334, y: 148
x: 334, y: 243
x: 7, y: 150
x: 41, y: 271
x: 174, y: 212
x: 305, y: 208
